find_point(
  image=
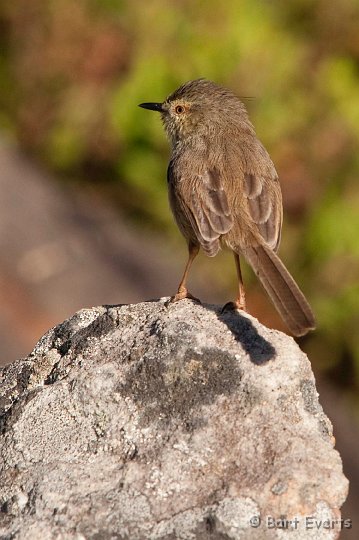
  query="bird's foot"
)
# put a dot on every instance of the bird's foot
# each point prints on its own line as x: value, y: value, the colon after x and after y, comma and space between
x: 232, y: 306
x: 182, y: 294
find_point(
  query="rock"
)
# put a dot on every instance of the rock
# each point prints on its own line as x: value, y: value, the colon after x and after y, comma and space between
x: 156, y: 421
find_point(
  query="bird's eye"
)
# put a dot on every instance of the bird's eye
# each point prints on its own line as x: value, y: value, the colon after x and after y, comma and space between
x: 179, y: 109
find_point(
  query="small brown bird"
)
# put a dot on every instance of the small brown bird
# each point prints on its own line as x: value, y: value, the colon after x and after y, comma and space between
x: 224, y: 190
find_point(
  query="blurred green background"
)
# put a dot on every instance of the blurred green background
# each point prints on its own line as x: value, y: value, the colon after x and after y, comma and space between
x: 72, y: 74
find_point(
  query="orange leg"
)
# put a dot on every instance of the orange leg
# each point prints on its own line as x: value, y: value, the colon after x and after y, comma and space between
x: 241, y: 299
x: 240, y: 302
x: 182, y: 288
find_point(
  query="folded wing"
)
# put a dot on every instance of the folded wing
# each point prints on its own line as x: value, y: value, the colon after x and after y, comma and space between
x: 205, y: 205
x: 263, y: 197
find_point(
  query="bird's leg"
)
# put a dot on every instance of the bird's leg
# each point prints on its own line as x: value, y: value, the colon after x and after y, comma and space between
x: 240, y: 302
x: 182, y: 289
x: 241, y: 299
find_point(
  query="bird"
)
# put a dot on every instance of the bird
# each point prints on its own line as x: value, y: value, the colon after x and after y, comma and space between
x: 224, y: 191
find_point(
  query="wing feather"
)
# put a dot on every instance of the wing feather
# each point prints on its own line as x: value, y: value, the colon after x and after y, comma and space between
x: 265, y: 206
x: 205, y: 204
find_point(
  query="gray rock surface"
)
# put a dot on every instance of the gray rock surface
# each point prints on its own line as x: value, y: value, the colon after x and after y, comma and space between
x: 156, y: 421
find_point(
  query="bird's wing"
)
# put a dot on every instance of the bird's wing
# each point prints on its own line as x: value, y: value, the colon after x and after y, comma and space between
x: 209, y: 205
x: 263, y: 196
x: 204, y: 203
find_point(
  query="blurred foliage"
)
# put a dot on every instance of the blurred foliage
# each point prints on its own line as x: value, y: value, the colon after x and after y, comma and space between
x: 72, y: 74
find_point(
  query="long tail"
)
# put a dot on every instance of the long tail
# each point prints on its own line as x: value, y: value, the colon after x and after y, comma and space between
x: 282, y: 289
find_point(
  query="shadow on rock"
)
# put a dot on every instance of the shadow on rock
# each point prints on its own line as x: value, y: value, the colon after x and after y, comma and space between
x: 259, y: 350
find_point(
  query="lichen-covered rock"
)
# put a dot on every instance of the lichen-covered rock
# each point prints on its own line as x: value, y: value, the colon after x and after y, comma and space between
x: 165, y: 421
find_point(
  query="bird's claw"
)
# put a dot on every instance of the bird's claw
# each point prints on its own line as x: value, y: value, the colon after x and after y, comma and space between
x: 233, y: 306
x: 181, y: 295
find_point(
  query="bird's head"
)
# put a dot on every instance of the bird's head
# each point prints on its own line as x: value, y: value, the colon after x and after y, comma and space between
x: 198, y: 108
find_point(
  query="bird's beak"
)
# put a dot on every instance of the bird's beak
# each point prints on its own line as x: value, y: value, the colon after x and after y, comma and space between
x: 152, y: 106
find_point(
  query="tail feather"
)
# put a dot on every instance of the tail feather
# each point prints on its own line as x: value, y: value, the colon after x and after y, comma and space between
x: 282, y: 289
